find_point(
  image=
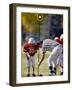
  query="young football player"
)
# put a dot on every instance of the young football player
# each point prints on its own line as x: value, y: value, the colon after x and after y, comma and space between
x: 30, y: 49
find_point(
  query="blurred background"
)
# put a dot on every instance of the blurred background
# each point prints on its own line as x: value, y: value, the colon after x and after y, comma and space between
x: 41, y: 26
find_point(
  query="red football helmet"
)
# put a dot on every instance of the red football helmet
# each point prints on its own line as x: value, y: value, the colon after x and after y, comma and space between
x: 57, y: 39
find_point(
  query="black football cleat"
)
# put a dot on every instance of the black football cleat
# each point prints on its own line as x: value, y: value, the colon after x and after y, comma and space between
x: 33, y: 75
x: 28, y: 75
x: 61, y: 73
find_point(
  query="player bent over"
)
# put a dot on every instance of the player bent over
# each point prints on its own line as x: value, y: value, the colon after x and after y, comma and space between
x: 56, y: 48
x: 30, y: 49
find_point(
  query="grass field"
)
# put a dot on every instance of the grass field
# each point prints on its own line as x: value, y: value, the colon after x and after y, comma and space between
x: 43, y: 69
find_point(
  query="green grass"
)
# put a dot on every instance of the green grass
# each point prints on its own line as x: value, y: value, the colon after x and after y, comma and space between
x: 43, y: 69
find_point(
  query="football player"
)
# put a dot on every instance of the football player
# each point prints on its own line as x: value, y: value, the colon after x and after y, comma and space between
x: 30, y: 49
x: 56, y: 48
x: 60, y: 57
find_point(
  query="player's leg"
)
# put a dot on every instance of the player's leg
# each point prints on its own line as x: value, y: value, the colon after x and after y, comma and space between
x: 54, y: 69
x: 33, y: 65
x: 28, y: 66
x: 61, y: 64
x: 55, y: 65
x: 56, y: 53
x: 50, y: 65
x: 51, y: 60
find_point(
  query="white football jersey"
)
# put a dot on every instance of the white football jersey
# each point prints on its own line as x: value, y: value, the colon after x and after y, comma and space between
x: 48, y: 45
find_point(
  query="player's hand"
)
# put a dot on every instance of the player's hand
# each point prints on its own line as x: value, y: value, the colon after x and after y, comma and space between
x: 27, y: 58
